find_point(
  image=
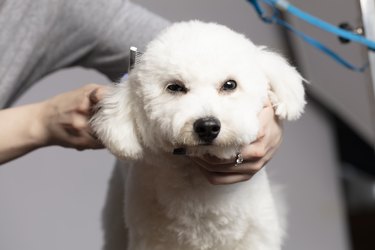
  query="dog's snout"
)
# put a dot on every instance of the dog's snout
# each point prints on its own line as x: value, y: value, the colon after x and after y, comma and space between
x: 207, y: 128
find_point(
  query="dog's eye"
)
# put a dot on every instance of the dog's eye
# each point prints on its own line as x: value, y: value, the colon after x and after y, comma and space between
x: 229, y: 85
x: 176, y: 87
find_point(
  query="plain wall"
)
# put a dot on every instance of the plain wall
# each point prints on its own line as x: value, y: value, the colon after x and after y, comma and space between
x: 53, y: 197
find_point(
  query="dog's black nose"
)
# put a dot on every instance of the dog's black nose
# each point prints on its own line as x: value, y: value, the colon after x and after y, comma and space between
x: 207, y: 128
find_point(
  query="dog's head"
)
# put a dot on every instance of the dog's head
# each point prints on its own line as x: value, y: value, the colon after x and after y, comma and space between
x: 198, y: 86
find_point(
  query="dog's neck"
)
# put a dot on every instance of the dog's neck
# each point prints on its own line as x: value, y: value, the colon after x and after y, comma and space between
x: 175, y: 171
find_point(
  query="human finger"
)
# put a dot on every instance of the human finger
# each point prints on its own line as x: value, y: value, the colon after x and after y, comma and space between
x: 218, y: 178
x: 78, y: 134
x: 85, y: 141
x: 246, y: 167
x: 97, y: 94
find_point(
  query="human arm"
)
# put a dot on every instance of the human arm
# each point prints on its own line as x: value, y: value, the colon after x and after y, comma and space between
x: 64, y: 36
x: 61, y: 120
x: 256, y: 154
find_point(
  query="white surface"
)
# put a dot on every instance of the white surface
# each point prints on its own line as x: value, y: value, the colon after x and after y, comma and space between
x: 368, y: 12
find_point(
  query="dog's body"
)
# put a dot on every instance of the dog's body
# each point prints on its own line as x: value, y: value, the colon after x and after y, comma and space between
x: 170, y: 205
x: 198, y: 86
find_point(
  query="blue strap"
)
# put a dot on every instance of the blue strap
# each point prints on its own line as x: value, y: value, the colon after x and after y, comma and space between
x: 324, y: 25
x: 282, y: 4
x: 323, y: 48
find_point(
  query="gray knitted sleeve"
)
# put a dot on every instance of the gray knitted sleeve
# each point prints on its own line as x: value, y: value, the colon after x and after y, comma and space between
x: 41, y: 37
x: 125, y: 25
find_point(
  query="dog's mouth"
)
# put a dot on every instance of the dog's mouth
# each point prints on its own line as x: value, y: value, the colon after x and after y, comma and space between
x: 225, y: 145
x: 219, y: 151
x: 179, y: 151
x: 183, y: 150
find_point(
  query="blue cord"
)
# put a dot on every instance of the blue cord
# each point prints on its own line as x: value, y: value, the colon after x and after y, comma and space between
x: 285, y: 5
x: 324, y: 25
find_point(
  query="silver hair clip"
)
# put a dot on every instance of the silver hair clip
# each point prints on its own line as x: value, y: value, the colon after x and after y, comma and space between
x: 133, y: 58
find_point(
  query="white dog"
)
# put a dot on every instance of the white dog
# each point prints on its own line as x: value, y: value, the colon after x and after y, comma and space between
x: 198, y: 86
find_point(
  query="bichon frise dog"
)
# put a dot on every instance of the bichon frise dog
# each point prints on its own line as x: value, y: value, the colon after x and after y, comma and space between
x: 198, y: 86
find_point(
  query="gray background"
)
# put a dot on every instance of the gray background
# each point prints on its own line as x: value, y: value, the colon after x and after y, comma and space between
x: 53, y: 197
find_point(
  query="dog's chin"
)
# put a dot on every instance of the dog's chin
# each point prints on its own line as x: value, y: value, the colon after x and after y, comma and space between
x: 199, y: 150
x: 224, y: 147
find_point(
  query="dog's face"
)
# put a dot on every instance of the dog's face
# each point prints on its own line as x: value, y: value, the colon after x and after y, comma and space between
x: 198, y: 86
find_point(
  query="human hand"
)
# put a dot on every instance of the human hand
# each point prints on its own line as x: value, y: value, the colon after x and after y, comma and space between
x: 256, y: 155
x: 65, y: 118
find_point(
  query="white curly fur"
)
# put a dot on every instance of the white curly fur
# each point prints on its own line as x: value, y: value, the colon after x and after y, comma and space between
x: 169, y: 204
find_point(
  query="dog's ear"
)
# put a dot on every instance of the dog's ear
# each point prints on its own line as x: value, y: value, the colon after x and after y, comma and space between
x: 286, y: 85
x: 114, y: 123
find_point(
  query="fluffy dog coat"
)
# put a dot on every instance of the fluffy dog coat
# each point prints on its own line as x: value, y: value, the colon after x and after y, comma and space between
x: 194, y: 71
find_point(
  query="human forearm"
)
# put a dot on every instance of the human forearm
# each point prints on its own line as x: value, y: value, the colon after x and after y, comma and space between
x: 20, y: 131
x: 61, y: 120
